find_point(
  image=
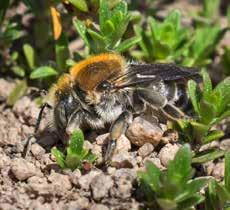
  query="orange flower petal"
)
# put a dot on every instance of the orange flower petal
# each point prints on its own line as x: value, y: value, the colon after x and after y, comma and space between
x: 56, y: 19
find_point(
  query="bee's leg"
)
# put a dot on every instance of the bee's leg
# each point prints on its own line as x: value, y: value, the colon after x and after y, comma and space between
x: 159, y: 101
x: 172, y: 112
x: 39, y: 119
x: 116, y: 130
x: 29, y: 141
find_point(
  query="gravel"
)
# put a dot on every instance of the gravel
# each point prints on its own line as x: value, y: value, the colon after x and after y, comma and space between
x: 225, y: 144
x: 145, y: 150
x: 100, y: 186
x: 142, y: 131
x: 22, y: 169
x: 168, y: 153
x: 38, y: 183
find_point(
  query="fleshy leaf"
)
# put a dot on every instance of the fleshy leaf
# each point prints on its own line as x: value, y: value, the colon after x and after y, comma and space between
x: 59, y: 156
x: 192, y: 91
x: 208, y: 155
x: 179, y: 170
x: 80, y: 4
x: 30, y: 55
x: 43, y: 72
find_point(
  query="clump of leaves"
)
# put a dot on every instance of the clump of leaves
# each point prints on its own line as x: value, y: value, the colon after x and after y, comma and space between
x: 218, y: 194
x: 203, y: 45
x: 75, y: 154
x: 162, y: 41
x: 210, y: 105
x: 169, y: 41
x: 108, y: 35
x: 173, y: 189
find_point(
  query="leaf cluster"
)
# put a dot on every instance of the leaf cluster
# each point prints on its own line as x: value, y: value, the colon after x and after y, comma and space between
x: 107, y: 36
x: 75, y: 154
x: 170, y: 41
x: 173, y: 189
x: 211, y: 105
x: 162, y: 41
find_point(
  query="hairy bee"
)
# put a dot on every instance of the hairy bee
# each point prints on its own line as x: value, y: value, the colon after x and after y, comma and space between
x: 104, y: 89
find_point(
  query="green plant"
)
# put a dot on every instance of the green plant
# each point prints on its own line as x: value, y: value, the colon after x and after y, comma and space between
x: 173, y: 189
x: 75, y: 154
x: 203, y: 45
x: 162, y: 41
x: 210, y: 8
x: 112, y: 26
x: 218, y: 195
x: 169, y: 41
x: 211, y: 106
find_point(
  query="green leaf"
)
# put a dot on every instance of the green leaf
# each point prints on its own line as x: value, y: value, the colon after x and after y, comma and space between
x: 128, y: 43
x: 179, y: 170
x: 97, y: 42
x: 227, y: 171
x: 219, y: 119
x: 224, y: 88
x: 76, y: 142
x: 17, y: 92
x: 153, y: 175
x: 43, y: 72
x: 174, y: 18
x: 167, y: 204
x: 59, y: 156
x: 80, y: 4
x: 104, y: 14
x: 212, y: 136
x: 192, y: 187
x: 4, y: 4
x: 207, y: 84
x: 211, y: 8
x: 211, y: 201
x: 223, y: 195
x: 199, y: 131
x: 207, y: 111
x: 81, y: 29
x: 191, y: 202
x: 145, y: 43
x: 192, y: 91
x: 62, y: 52
x: 73, y: 161
x: 19, y: 71
x: 30, y: 55
x: 108, y: 28
x: 207, y: 155
x: 90, y: 157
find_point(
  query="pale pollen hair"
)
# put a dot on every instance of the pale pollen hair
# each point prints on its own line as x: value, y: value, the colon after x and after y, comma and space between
x: 93, y: 70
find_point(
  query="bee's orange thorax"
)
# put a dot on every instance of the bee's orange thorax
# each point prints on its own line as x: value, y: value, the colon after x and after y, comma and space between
x: 90, y: 72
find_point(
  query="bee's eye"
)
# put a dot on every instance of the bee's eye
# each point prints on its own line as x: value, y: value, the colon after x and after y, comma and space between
x: 105, y: 85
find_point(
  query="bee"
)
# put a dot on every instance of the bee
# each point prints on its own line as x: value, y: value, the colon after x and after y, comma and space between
x: 106, y: 90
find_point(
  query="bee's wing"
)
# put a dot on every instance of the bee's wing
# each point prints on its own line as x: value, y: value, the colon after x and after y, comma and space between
x: 146, y: 73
